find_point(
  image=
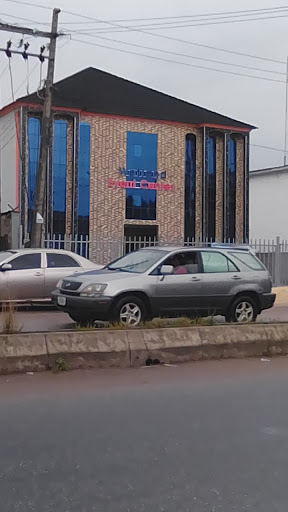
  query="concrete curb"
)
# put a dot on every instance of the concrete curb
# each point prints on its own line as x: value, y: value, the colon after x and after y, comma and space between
x: 122, y: 349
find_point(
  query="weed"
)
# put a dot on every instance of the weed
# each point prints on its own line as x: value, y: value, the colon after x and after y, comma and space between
x: 9, y: 325
x: 156, y: 323
x: 61, y: 365
x: 89, y: 327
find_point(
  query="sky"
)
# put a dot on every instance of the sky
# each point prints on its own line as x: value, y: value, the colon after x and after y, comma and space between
x: 257, y: 101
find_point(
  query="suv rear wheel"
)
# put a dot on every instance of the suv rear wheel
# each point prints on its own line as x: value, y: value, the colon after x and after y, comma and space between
x: 242, y: 310
x: 130, y: 311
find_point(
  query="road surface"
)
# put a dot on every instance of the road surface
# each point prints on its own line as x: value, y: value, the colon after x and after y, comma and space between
x: 206, y: 437
x: 49, y: 319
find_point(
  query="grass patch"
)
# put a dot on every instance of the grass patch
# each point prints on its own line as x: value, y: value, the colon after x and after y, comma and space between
x: 9, y: 324
x: 156, y: 323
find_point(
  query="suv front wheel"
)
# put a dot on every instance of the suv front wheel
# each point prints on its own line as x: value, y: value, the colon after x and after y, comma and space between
x: 130, y: 311
x: 242, y: 310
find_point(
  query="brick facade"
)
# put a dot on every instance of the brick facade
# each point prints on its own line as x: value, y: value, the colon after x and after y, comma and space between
x: 108, y: 154
x: 108, y: 136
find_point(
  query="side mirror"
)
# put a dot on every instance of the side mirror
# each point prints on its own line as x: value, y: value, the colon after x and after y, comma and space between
x: 167, y: 270
x: 6, y: 266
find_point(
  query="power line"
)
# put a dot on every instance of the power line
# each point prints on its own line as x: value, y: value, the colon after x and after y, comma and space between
x: 6, y: 14
x: 11, y: 80
x: 245, y: 12
x: 126, y: 43
x: 9, y: 126
x: 209, y: 21
x: 181, y: 40
x: 79, y: 15
x: 4, y: 70
x: 267, y: 147
x: 30, y: 4
x: 204, y: 15
x: 177, y: 62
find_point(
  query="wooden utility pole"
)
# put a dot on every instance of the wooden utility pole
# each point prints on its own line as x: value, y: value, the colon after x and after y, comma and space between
x: 39, y: 199
x: 41, y: 178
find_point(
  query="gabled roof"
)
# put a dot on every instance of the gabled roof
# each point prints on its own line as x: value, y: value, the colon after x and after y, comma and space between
x: 96, y: 91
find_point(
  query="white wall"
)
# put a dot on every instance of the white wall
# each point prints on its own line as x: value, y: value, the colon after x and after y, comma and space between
x: 8, y: 162
x: 269, y: 205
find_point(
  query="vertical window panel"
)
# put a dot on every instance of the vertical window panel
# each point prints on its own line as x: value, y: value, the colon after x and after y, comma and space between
x: 59, y: 176
x: 34, y: 134
x: 231, y: 189
x: 210, y: 188
x: 190, y: 186
x: 84, y: 179
x: 141, y: 164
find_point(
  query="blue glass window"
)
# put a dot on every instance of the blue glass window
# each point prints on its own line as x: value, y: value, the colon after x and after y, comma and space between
x: 210, y: 188
x: 190, y: 185
x: 231, y: 190
x: 141, y: 164
x: 59, y: 176
x: 34, y: 133
x: 84, y: 179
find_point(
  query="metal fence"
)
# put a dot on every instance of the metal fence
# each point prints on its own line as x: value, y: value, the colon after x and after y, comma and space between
x: 272, y: 253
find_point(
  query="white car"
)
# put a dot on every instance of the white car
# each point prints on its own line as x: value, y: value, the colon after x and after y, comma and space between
x: 30, y: 275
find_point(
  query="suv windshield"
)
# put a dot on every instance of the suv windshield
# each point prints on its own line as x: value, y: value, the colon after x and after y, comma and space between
x: 4, y: 255
x: 139, y: 261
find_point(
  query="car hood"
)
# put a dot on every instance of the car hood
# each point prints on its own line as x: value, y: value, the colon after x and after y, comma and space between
x: 101, y: 276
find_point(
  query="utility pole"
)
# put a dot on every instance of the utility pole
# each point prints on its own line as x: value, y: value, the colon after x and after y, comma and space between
x: 286, y: 117
x: 36, y: 231
x: 41, y: 178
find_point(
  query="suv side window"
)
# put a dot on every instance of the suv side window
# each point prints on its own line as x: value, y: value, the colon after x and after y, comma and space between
x: 215, y: 262
x: 184, y: 262
x: 26, y: 261
x: 249, y: 260
x: 56, y: 260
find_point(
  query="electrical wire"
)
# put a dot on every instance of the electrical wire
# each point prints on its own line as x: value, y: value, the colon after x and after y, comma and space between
x: 27, y: 76
x: 126, y: 43
x: 177, y: 62
x: 7, y: 142
x: 210, y: 21
x: 11, y: 79
x: 4, y: 142
x: 8, y: 127
x: 242, y: 54
x: 4, y: 70
x: 79, y: 15
x: 33, y: 22
x: 267, y: 147
x: 246, y: 12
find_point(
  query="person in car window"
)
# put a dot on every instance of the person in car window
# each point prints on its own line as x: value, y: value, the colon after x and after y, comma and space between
x: 178, y: 268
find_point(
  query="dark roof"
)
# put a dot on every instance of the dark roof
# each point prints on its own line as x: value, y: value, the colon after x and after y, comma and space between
x: 93, y: 90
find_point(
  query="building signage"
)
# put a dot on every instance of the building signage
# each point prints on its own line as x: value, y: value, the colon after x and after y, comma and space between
x: 142, y: 184
x: 142, y: 173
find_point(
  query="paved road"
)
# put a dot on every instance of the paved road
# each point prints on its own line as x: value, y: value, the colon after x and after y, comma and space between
x: 48, y: 319
x: 207, y: 437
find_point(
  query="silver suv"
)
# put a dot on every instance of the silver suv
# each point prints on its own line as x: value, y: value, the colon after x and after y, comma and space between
x: 169, y: 282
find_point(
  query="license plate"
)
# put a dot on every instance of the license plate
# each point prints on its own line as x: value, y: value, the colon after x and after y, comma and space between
x: 61, y: 301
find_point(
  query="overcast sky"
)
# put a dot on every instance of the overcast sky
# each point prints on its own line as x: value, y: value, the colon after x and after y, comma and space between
x: 255, y: 101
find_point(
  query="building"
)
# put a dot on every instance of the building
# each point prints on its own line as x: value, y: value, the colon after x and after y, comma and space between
x: 127, y: 160
x: 268, y: 203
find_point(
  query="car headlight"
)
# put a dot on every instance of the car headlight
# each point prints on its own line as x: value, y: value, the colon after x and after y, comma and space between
x: 59, y: 284
x: 93, y: 290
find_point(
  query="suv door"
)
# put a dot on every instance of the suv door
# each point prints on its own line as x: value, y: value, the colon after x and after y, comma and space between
x: 220, y: 277
x: 59, y: 266
x: 180, y: 293
x: 25, y: 281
